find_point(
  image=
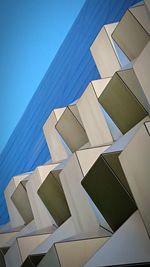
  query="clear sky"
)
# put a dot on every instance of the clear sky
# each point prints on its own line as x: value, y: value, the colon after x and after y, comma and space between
x: 31, y: 31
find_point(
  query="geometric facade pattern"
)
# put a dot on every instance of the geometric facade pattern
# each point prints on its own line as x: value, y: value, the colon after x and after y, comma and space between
x: 70, y: 72
x: 89, y: 205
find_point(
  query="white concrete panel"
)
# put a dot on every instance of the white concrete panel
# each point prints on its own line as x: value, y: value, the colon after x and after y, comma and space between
x: 142, y: 69
x: 66, y: 230
x: 93, y: 118
x: 21, y: 248
x: 99, y: 85
x: 55, y: 144
x: 135, y: 161
x: 125, y: 139
x: 28, y: 229
x: 104, y: 52
x: 6, y: 239
x: 13, y: 256
x: 87, y: 157
x: 76, y: 253
x: 129, y: 244
x: 29, y: 243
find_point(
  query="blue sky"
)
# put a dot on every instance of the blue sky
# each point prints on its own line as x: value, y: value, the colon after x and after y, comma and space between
x: 31, y: 31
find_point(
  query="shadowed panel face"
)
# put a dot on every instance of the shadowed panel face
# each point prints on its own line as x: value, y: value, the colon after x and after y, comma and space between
x: 128, y: 31
x: 107, y: 192
x: 52, y: 195
x: 75, y: 252
x: 113, y: 161
x: 71, y: 129
x: 2, y: 260
x: 2, y: 256
x: 50, y: 259
x: 121, y: 104
x: 21, y: 201
x: 33, y: 260
x: 135, y: 161
x: 4, y: 250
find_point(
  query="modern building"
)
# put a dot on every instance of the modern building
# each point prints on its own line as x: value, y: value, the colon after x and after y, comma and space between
x: 75, y: 174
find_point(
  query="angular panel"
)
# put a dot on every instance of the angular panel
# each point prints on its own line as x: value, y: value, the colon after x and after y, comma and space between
x: 135, y: 161
x: 71, y: 129
x: 129, y: 245
x: 66, y: 230
x: 93, y: 118
x: 22, y: 248
x: 104, y: 53
x: 85, y: 123
x: 56, y: 146
x: 113, y: 163
x: 21, y: 201
x: 42, y: 217
x: 51, y: 259
x: 116, y: 172
x: 106, y: 185
x: 82, y: 211
x: 112, y: 160
x: 142, y: 70
x: 98, y: 87
x: 28, y: 229
x: 27, y: 244
x: 132, y: 32
x: 6, y: 239
x: 123, y: 100
x: 52, y: 195
x: 72, y: 252
x: 15, y: 217
x: 123, y: 141
x: 33, y: 260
